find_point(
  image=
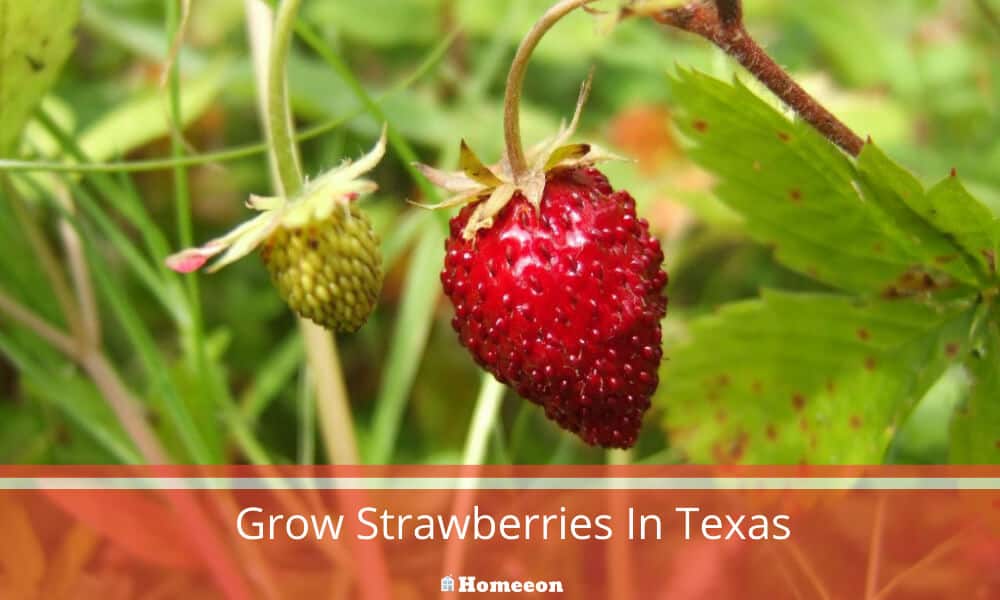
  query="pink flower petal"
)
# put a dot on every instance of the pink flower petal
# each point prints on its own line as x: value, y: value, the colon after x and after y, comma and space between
x: 192, y: 259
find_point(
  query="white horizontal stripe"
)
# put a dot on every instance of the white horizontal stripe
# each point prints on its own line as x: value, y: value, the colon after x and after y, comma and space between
x: 499, y: 483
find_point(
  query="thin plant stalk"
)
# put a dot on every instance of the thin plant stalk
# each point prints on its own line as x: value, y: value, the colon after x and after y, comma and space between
x: 335, y: 422
x: 177, y: 14
x: 83, y: 346
x: 484, y: 419
x: 397, y: 141
x: 333, y: 404
x: 940, y: 551
x: 515, y: 82
x: 872, y: 573
x: 279, y: 115
x: 619, y: 559
x: 320, y: 346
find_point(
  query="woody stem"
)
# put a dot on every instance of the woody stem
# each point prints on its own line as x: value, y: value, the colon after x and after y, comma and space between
x: 515, y: 82
x: 721, y: 22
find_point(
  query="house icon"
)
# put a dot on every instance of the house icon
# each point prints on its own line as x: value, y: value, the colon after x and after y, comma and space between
x: 448, y: 584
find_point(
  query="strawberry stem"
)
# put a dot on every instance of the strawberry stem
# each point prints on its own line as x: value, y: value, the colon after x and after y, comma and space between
x: 325, y: 370
x: 279, y: 126
x: 721, y: 22
x: 515, y: 82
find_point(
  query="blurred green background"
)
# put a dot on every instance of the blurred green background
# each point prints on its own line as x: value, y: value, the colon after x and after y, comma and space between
x: 921, y: 77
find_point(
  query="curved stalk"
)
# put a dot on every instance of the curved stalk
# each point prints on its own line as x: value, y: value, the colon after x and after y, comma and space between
x: 515, y: 82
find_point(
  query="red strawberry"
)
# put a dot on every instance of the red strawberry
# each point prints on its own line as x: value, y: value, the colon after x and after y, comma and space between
x: 556, y: 283
x: 563, y: 302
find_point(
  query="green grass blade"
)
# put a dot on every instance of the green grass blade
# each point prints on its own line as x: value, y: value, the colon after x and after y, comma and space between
x: 69, y: 402
x: 135, y: 211
x: 413, y: 325
x: 430, y: 61
x: 155, y: 365
x: 401, y: 236
x: 271, y: 377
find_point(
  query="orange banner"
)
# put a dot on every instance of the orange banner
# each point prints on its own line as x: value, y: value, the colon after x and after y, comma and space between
x: 420, y: 532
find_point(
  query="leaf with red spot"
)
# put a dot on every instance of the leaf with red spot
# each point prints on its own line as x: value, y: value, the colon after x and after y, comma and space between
x: 797, y: 382
x: 822, y: 378
x: 857, y: 226
x: 974, y: 226
x: 898, y: 194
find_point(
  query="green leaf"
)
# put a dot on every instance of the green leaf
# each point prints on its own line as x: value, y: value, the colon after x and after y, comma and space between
x: 805, y: 377
x: 975, y: 431
x: 848, y: 228
x: 972, y: 225
x: 902, y: 198
x: 36, y: 38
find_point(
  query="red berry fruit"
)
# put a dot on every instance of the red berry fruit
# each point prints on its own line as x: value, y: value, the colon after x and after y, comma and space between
x: 557, y: 285
x: 564, y: 303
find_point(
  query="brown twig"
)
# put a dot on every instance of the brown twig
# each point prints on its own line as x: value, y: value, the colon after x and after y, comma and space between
x: 721, y: 22
x: 730, y: 11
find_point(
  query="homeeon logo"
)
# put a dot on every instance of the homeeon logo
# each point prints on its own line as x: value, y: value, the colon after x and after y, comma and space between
x: 471, y: 585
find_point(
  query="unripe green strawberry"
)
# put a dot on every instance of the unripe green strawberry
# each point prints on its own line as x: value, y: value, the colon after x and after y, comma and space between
x: 319, y: 246
x: 329, y: 272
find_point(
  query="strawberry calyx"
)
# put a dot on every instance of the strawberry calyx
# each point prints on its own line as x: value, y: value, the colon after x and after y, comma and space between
x: 496, y: 185
x: 336, y: 188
